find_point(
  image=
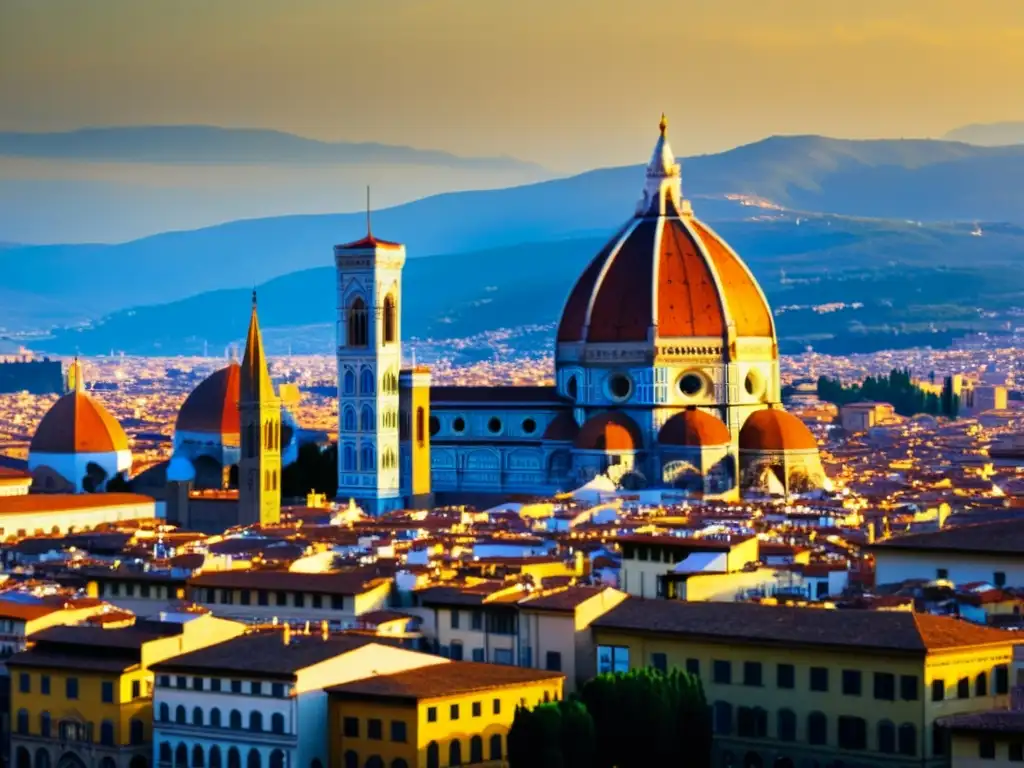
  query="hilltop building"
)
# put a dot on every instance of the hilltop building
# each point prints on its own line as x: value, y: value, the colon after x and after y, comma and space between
x: 666, y: 375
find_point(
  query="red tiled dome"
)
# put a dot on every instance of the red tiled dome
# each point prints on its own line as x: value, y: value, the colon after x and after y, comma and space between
x: 694, y: 428
x: 773, y: 429
x: 77, y: 423
x: 212, y: 407
x: 609, y: 432
x: 563, y: 428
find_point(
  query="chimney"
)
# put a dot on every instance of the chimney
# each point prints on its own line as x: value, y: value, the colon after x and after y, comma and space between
x: 325, y: 630
x: 286, y: 637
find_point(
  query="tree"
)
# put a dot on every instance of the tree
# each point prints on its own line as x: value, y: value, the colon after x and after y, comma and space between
x: 119, y: 484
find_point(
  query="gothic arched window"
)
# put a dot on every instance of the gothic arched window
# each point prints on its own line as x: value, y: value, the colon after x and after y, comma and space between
x: 421, y: 434
x: 366, y: 386
x: 349, y: 419
x: 366, y: 419
x: 349, y: 457
x: 366, y: 459
x: 390, y: 320
x: 357, y: 323
x: 349, y: 383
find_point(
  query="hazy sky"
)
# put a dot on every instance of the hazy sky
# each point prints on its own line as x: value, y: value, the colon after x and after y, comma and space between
x: 568, y: 83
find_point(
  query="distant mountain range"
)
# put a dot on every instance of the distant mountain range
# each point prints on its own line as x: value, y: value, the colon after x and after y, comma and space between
x: 210, y: 144
x: 989, y: 134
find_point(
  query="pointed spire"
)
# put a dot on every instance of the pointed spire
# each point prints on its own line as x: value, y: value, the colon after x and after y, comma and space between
x: 663, y: 125
x: 255, y: 384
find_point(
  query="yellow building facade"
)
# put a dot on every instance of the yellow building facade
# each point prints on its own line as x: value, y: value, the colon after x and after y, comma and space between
x: 81, y: 697
x: 804, y: 686
x: 433, y: 717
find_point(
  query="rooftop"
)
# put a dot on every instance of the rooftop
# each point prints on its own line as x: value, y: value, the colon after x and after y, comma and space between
x: 1004, y: 537
x: 323, y: 583
x: 992, y: 721
x: 438, y: 680
x: 60, y: 502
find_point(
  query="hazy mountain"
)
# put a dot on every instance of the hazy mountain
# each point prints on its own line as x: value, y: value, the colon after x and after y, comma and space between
x: 989, y: 134
x: 898, y: 271
x: 913, y: 180
x: 209, y: 144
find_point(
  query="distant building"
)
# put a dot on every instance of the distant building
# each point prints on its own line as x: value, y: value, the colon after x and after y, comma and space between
x: 14, y: 482
x: 37, y: 377
x: 860, y: 417
x: 979, y: 398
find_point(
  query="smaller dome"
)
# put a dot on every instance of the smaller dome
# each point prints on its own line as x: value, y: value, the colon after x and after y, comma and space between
x: 212, y: 407
x: 180, y: 470
x: 563, y: 428
x: 694, y: 428
x: 78, y: 423
x: 773, y: 429
x: 609, y: 432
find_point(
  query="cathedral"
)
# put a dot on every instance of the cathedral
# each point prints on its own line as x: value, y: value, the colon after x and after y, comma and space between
x: 666, y: 376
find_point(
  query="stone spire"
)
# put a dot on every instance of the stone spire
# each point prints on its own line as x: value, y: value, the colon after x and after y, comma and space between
x: 663, y: 191
x: 255, y: 384
x: 76, y: 378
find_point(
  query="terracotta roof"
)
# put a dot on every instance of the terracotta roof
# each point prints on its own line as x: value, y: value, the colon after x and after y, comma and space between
x: 10, y: 476
x: 1005, y: 537
x: 566, y: 600
x: 11, y: 609
x: 264, y: 654
x: 212, y: 407
x: 447, y: 679
x: 611, y: 431
x: 754, y: 624
x: 61, y: 502
x: 78, y: 423
x: 694, y: 428
x: 369, y: 241
x: 773, y: 429
x: 322, y: 583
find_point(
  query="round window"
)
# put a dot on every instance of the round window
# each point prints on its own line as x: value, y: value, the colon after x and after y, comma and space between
x: 435, y: 426
x: 691, y: 384
x: 529, y: 426
x: 619, y: 386
x: 754, y: 384
x: 494, y: 425
x: 459, y: 425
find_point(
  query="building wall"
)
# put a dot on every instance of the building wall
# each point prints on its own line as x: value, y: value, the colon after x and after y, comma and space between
x: 893, y: 566
x: 229, y: 604
x: 490, y: 646
x: 62, y: 520
x: 964, y: 750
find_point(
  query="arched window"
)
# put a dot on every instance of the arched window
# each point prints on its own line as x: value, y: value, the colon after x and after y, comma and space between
x: 107, y: 733
x: 496, y: 747
x: 366, y: 419
x: 433, y: 755
x: 366, y: 459
x: 351, y: 759
x: 198, y: 758
x: 215, y: 756
x: 253, y: 760
x: 349, y: 458
x: 197, y: 716
x: 180, y: 716
x: 165, y: 752
x: 316, y: 763
x: 42, y: 758
x: 45, y: 724
x: 981, y: 684
x: 23, y: 759
x: 235, y: 722
x: 787, y: 725
x: 277, y: 723
x: 348, y: 419
x: 164, y: 713
x: 421, y: 430
x: 366, y: 384
x: 349, y: 383
x: 108, y: 762
x: 277, y: 759
x: 817, y: 728
x: 357, y: 336
x: 234, y: 757
x: 476, y: 750
x: 908, y: 739
x: 136, y: 732
x: 455, y: 752
x: 390, y: 320
x: 181, y: 756
x: 215, y: 719
x: 886, y: 737
x: 255, y: 721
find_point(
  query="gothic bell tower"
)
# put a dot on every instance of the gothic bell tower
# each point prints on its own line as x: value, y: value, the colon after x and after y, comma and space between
x: 259, y: 412
x: 369, y: 354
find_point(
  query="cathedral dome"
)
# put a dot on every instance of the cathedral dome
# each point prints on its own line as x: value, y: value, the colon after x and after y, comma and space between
x: 773, y: 429
x: 694, y: 428
x: 612, y: 431
x: 665, y: 274
x: 563, y: 428
x: 212, y: 407
x: 78, y: 423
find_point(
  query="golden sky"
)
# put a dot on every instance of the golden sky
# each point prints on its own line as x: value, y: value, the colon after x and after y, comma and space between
x: 568, y: 83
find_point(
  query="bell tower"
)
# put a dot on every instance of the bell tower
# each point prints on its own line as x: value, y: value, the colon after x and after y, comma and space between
x: 259, y: 412
x: 369, y: 353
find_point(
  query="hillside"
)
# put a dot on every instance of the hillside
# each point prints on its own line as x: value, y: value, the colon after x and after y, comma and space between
x: 911, y: 180
x: 989, y: 134
x: 895, y: 270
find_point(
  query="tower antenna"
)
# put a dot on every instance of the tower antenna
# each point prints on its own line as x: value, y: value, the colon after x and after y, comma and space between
x: 369, y: 231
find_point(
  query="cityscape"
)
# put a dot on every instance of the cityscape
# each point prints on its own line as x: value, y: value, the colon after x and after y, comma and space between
x: 540, y: 446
